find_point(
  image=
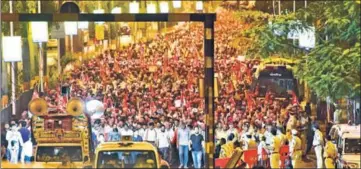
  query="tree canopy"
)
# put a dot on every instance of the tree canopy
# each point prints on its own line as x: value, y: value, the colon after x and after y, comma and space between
x: 332, y: 68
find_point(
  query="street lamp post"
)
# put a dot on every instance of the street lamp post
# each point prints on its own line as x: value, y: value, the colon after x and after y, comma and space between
x: 13, y: 79
x: 40, y: 34
x: 12, y: 52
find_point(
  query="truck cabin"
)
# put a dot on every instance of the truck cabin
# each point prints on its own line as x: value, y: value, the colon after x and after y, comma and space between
x: 277, y: 78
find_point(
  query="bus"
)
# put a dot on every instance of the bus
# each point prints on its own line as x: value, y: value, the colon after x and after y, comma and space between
x: 277, y: 76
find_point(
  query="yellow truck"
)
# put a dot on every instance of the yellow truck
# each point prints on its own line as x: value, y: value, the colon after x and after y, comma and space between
x: 58, y: 135
x: 127, y: 154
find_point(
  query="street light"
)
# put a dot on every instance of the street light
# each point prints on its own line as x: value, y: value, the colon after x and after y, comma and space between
x: 12, y: 52
x: 116, y: 10
x: 164, y: 7
x: 71, y: 28
x: 134, y: 7
x: 177, y: 4
x: 40, y: 34
x: 151, y: 8
x: 199, y: 5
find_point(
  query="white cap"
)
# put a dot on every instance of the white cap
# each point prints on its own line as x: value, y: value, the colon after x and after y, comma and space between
x: 294, y: 132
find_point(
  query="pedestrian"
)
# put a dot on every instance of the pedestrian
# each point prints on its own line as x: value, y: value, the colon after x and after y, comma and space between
x: 196, y: 146
x: 25, y: 135
x: 318, y: 144
x: 330, y: 153
x: 295, y: 149
x: 163, y: 142
x: 150, y: 134
x: 261, y: 147
x: 183, y: 145
x: 114, y: 135
x: 14, y: 142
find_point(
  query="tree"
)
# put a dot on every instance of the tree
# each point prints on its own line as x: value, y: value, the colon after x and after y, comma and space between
x: 332, y: 68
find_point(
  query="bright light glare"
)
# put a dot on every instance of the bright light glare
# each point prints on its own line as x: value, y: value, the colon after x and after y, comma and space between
x: 117, y: 10
x: 12, y: 51
x: 39, y: 31
x: 71, y: 28
x: 177, y: 4
x: 134, y: 7
x: 164, y: 7
x: 93, y: 105
x: 199, y: 5
x: 151, y: 8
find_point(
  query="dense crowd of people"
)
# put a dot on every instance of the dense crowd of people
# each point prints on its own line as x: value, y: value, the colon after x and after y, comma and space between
x: 150, y: 92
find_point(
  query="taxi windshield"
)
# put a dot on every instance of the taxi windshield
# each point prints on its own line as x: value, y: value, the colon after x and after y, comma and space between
x: 352, y: 146
x: 56, y: 154
x: 126, y: 159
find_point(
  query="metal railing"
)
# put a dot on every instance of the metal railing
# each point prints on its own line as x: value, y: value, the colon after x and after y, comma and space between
x: 21, y: 105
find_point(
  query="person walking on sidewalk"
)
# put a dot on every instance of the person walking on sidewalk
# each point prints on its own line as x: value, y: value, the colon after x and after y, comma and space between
x: 196, y: 146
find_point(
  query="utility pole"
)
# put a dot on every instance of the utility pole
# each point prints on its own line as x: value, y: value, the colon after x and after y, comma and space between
x: 13, y: 78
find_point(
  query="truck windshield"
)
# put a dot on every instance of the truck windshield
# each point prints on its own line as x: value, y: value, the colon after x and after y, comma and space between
x: 352, y: 146
x: 126, y: 159
x: 56, y: 154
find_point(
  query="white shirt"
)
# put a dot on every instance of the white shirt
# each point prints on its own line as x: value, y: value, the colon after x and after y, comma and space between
x: 126, y: 133
x: 28, y: 148
x: 163, y: 140
x: 150, y: 135
x: 14, y: 136
x: 107, y: 129
x: 170, y: 133
x: 317, y: 138
x: 261, y: 145
x: 141, y: 133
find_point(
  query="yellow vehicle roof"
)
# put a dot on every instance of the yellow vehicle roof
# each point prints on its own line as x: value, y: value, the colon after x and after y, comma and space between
x: 126, y: 145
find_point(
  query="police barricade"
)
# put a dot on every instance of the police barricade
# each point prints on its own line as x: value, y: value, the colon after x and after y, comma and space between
x: 221, y: 162
x: 284, y: 154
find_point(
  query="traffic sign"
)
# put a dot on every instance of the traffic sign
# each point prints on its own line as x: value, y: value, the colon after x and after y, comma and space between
x: 57, y: 31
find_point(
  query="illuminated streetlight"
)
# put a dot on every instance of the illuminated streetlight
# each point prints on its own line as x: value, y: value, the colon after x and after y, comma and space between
x: 12, y: 51
x: 40, y: 34
x: 164, y: 7
x: 177, y: 4
x: 199, y: 5
x: 134, y: 7
x: 151, y: 8
x: 116, y: 10
x: 71, y: 28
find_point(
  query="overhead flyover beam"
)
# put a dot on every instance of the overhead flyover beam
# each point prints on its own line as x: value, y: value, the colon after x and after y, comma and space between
x: 60, y: 17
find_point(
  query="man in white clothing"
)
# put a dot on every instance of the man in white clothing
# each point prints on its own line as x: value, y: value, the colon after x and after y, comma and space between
x: 150, y: 134
x: 14, y: 142
x: 126, y: 131
x: 163, y: 142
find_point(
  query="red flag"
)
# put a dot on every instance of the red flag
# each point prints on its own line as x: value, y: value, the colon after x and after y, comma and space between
x: 294, y: 98
x: 230, y: 87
